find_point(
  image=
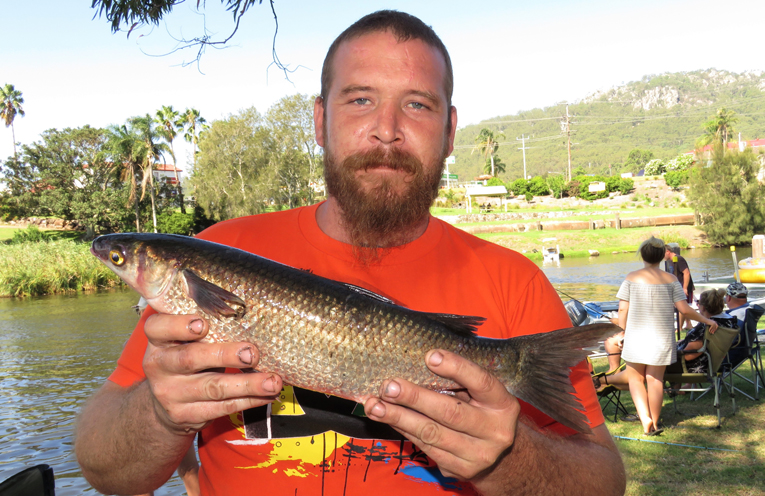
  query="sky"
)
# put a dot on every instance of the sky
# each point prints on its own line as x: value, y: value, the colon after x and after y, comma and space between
x: 508, y: 55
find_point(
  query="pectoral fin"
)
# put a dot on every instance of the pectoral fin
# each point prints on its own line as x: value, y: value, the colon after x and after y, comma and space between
x: 212, y: 298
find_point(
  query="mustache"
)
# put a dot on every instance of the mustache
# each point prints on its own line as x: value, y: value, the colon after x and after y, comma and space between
x: 393, y: 158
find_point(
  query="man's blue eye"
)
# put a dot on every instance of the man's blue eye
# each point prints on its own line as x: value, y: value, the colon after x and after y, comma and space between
x: 417, y: 105
x: 361, y: 101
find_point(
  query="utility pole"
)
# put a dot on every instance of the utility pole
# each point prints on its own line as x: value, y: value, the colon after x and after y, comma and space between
x: 523, y: 139
x: 565, y: 126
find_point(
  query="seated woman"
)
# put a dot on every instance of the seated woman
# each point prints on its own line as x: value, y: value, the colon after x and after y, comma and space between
x: 711, y: 305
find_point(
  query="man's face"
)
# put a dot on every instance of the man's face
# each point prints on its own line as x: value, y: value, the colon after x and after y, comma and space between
x: 384, y: 129
x: 668, y: 255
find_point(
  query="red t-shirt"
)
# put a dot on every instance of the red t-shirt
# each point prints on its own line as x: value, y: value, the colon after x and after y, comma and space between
x: 298, y: 445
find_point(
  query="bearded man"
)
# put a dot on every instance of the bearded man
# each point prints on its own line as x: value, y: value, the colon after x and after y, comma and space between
x: 386, y: 123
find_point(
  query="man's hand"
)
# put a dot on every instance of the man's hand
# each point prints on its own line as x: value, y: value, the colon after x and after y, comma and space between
x: 464, y: 435
x: 186, y: 380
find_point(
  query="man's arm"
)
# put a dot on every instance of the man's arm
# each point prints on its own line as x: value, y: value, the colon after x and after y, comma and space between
x: 480, y: 439
x: 130, y: 440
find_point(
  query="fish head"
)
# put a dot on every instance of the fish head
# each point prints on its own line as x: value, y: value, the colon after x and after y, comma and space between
x: 143, y: 263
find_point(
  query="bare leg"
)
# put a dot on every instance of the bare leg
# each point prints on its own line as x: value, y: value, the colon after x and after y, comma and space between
x: 636, y: 377
x: 188, y: 471
x: 655, y: 387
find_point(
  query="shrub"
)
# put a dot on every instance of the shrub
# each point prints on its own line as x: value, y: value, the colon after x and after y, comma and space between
x: 519, y: 187
x: 557, y: 184
x: 529, y: 196
x: 495, y: 181
x: 175, y: 223
x: 655, y: 167
x: 679, y: 163
x: 538, y: 186
x: 676, y: 178
x: 32, y: 234
x: 572, y: 188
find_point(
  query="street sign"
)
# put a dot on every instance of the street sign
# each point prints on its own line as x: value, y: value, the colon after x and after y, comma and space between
x: 450, y: 176
x: 451, y: 160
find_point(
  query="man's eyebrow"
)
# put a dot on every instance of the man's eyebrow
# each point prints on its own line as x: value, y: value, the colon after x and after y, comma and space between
x: 428, y: 95
x: 354, y: 89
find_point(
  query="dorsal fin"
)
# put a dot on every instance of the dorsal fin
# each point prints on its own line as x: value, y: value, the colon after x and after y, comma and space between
x: 370, y: 294
x: 462, y: 325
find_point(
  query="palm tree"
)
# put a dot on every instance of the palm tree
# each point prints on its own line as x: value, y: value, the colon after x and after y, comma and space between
x: 496, y: 162
x: 719, y: 128
x: 193, y: 123
x: 11, y: 101
x: 124, y: 148
x: 170, y: 123
x: 150, y: 150
x: 486, y: 144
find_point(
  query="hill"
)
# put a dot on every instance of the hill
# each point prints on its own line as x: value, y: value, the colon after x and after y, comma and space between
x: 660, y: 113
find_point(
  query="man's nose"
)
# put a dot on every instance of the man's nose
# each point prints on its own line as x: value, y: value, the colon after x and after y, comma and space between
x: 387, y: 126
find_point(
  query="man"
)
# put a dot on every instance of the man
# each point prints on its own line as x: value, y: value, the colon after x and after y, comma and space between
x: 736, y: 295
x: 386, y: 123
x: 683, y: 273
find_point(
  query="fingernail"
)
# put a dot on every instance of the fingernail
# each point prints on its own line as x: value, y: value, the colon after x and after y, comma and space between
x: 436, y: 358
x: 378, y: 410
x: 196, y: 326
x: 245, y: 355
x: 269, y: 385
x: 392, y: 389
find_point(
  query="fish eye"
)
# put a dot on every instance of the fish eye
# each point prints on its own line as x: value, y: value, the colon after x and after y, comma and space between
x: 116, y: 257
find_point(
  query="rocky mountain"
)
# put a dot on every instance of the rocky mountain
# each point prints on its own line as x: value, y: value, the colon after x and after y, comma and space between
x: 662, y: 113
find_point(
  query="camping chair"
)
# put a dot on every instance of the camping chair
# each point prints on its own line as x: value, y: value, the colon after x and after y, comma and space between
x: 33, y: 481
x: 747, y: 350
x: 611, y: 395
x: 716, y: 347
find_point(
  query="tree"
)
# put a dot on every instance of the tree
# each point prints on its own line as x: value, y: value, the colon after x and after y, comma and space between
x: 233, y: 177
x: 170, y: 122
x: 729, y: 196
x: 296, y: 163
x: 124, y: 149
x: 11, y: 101
x: 496, y: 162
x: 487, y: 145
x: 719, y: 128
x: 150, y: 150
x: 637, y: 159
x: 193, y: 124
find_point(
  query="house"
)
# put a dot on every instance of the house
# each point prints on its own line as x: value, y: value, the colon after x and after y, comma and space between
x: 166, y: 173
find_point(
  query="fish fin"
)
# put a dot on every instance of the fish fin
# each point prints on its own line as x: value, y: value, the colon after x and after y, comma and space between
x: 212, y: 298
x: 462, y: 325
x: 370, y: 294
x: 543, y: 367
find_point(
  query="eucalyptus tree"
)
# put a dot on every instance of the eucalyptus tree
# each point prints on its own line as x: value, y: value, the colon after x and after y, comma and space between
x: 12, y: 102
x: 487, y: 143
x: 169, y: 121
x: 296, y: 163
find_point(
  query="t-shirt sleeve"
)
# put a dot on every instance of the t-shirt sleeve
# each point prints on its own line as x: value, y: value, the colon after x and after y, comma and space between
x: 542, y: 311
x: 624, y: 291
x: 677, y: 292
x: 130, y: 363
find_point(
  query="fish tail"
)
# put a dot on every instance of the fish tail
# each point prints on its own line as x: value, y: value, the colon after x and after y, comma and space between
x: 541, y: 377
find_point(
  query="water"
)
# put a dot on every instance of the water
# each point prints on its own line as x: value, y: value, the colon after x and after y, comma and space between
x: 598, y: 278
x: 55, y: 351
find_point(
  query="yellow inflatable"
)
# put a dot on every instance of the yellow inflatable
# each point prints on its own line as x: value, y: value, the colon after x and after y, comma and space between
x: 752, y: 270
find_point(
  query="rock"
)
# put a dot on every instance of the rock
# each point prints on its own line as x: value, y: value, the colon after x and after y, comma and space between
x: 594, y: 253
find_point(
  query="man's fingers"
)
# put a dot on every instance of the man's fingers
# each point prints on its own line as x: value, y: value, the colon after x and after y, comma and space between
x: 190, y: 358
x: 480, y: 384
x: 164, y: 329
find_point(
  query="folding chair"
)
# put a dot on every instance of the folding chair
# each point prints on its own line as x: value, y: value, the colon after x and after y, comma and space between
x: 611, y: 395
x: 716, y: 347
x: 747, y: 350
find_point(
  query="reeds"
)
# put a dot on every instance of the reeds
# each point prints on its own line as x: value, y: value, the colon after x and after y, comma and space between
x: 29, y: 268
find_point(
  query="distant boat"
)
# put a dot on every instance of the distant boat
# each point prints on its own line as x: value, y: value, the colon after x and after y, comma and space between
x: 550, y: 253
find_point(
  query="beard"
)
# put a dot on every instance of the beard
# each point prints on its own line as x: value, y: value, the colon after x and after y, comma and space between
x: 381, y: 215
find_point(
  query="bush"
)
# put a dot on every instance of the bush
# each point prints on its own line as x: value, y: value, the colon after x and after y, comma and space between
x: 495, y: 181
x: 175, y: 223
x: 626, y: 185
x: 32, y: 234
x: 677, y: 178
x: 519, y: 187
x: 572, y: 188
x: 680, y: 163
x: 655, y: 167
x: 557, y: 184
x: 538, y: 186
x: 529, y: 196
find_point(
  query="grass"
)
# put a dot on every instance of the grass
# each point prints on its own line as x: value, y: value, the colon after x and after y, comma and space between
x: 658, y: 469
x: 589, y: 214
x: 55, y: 267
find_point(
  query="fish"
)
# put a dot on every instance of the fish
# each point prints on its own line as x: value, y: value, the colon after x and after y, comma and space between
x: 333, y: 337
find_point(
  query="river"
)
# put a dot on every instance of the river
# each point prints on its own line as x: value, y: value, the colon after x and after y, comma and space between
x: 56, y: 350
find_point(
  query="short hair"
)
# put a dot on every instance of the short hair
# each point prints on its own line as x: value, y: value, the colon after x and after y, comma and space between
x: 404, y: 27
x: 713, y: 300
x: 652, y: 250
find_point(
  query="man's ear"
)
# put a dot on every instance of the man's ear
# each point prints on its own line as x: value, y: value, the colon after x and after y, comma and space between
x: 318, y: 120
x: 453, y: 128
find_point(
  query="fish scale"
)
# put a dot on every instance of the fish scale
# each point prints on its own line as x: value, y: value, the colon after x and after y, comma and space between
x: 332, y: 337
